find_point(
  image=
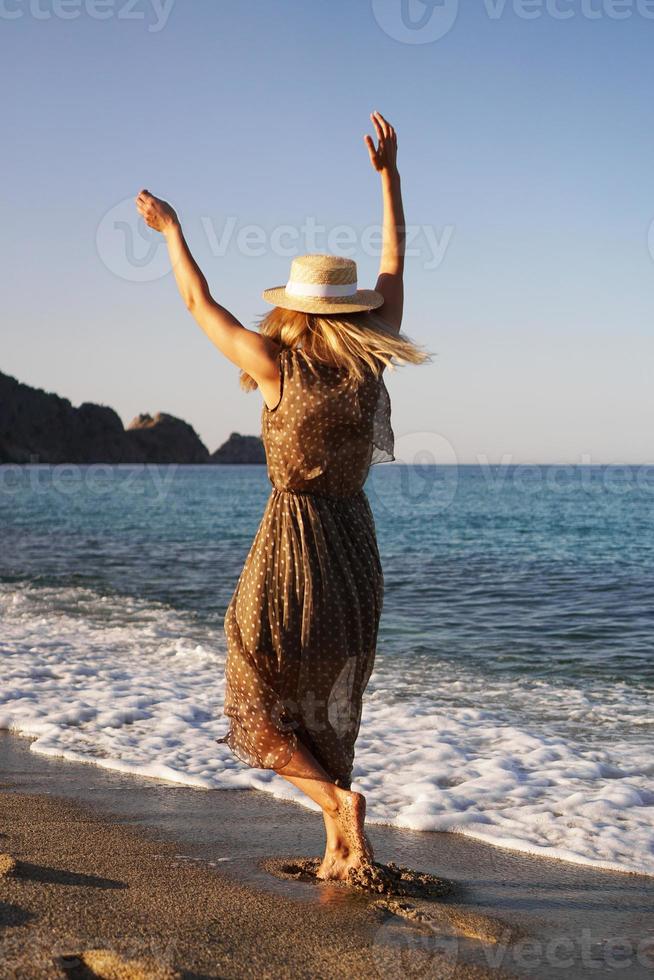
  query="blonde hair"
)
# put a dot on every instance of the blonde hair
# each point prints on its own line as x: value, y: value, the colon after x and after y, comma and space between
x: 347, y: 341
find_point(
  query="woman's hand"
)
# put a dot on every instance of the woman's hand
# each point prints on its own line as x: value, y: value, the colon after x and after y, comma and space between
x: 390, y: 281
x: 156, y: 213
x: 384, y: 156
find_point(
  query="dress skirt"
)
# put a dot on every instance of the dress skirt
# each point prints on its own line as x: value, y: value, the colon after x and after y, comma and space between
x: 301, y: 632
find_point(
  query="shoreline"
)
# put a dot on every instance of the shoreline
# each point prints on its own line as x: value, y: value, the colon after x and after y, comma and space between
x: 207, y: 855
x: 512, y: 845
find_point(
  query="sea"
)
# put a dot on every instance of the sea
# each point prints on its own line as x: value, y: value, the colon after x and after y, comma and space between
x: 512, y: 696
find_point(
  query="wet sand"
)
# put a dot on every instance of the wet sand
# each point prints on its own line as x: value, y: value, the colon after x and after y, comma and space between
x: 219, y: 884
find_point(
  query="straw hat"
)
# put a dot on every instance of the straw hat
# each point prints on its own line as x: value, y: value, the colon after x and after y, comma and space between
x: 323, y: 284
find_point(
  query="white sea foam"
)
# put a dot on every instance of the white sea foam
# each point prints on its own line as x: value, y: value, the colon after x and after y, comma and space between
x: 529, y: 765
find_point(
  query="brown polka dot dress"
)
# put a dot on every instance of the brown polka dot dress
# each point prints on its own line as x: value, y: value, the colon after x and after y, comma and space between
x: 302, y: 624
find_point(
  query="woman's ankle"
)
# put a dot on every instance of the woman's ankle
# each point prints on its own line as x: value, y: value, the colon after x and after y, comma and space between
x: 337, y: 847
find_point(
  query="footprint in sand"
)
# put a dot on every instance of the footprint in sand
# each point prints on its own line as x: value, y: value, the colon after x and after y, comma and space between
x: 8, y: 865
x: 443, y: 923
x: 104, y: 964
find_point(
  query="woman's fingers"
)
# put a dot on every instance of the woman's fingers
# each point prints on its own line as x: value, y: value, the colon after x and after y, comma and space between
x: 146, y: 205
x: 378, y: 127
x: 370, y: 143
x: 145, y: 209
x: 145, y: 199
x: 146, y: 202
x: 383, y: 123
x: 388, y: 130
x: 384, y: 156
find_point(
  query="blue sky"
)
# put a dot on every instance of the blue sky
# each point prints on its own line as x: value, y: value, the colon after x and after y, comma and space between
x: 527, y: 158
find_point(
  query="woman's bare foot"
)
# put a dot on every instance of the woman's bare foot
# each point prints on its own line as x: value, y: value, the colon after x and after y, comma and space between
x: 348, y: 847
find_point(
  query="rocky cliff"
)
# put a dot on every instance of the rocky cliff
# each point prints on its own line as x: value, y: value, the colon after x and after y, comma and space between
x: 39, y: 427
x: 165, y: 439
x: 240, y: 449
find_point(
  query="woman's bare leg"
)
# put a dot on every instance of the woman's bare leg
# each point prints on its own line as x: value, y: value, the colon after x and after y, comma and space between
x: 343, y: 813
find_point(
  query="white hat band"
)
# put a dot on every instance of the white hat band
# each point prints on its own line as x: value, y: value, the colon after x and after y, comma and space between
x: 321, y: 289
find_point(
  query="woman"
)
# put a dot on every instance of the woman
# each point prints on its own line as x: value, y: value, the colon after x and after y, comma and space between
x: 302, y: 624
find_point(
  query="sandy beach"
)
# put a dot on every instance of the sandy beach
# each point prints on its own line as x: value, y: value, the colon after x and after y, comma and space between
x: 326, y: 451
x: 200, y: 884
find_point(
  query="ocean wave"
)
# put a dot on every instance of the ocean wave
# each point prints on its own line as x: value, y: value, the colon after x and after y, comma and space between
x: 551, y: 768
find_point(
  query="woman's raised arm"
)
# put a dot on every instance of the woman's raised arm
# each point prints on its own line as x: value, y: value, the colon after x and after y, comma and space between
x: 391, y: 267
x: 250, y: 351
